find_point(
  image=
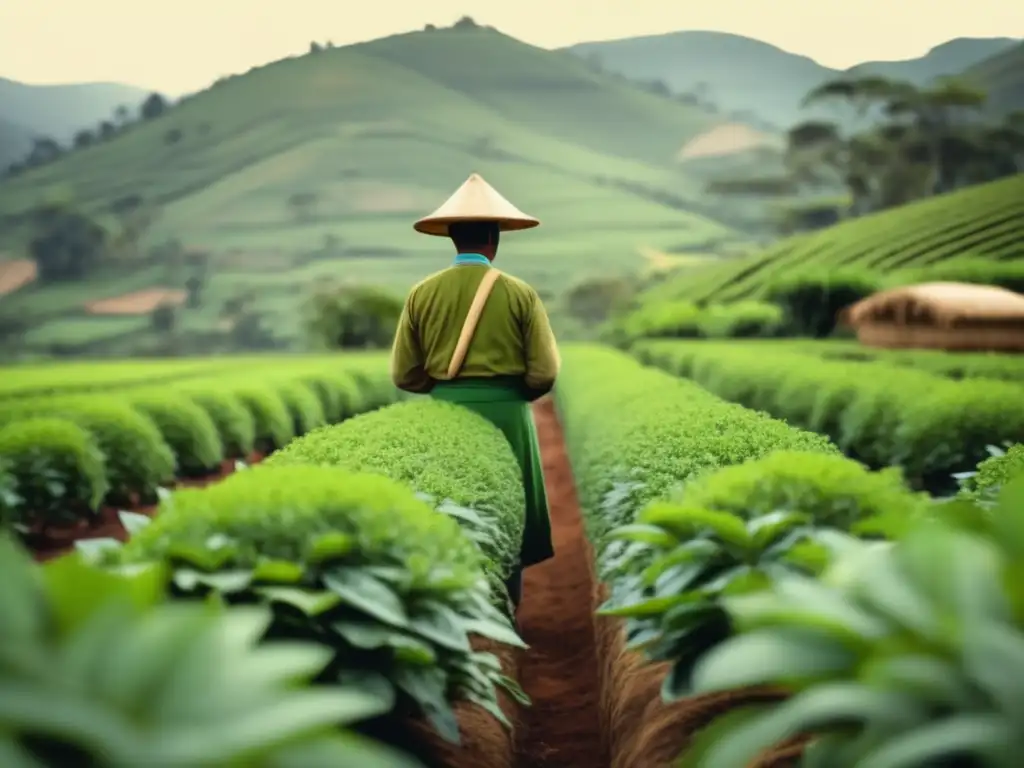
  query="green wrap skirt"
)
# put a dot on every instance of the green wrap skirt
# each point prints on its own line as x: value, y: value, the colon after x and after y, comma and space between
x: 503, y: 402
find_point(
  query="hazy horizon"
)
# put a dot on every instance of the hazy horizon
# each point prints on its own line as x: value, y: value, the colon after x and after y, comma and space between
x: 187, y: 48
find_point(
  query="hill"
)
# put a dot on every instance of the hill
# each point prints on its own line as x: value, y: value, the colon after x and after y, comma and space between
x: 58, y: 111
x: 314, y: 167
x: 985, y: 221
x: 747, y: 78
x: 1002, y: 77
x: 15, y: 142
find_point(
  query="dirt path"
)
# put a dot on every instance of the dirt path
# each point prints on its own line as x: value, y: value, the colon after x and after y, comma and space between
x: 559, y: 672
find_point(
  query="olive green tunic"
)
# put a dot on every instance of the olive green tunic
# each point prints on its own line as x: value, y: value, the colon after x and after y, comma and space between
x: 512, y: 360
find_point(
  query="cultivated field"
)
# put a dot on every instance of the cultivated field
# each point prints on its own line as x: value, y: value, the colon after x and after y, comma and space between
x: 376, y: 531
x: 984, y: 222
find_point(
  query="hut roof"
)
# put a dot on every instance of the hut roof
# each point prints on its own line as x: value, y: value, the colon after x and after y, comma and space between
x: 945, y: 302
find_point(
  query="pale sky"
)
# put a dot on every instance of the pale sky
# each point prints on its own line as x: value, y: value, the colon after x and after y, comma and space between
x: 177, y: 46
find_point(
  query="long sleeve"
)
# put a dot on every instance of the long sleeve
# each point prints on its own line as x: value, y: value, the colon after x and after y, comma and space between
x: 408, y: 367
x: 542, y: 359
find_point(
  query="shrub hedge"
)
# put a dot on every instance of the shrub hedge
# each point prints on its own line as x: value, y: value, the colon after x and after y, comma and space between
x: 880, y: 414
x: 58, y: 468
x: 353, y: 561
x: 137, y: 459
x: 186, y: 428
x: 445, y: 452
x: 636, y: 434
x: 143, y: 682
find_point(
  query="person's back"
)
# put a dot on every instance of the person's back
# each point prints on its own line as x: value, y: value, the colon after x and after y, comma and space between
x: 511, y: 357
x: 513, y: 338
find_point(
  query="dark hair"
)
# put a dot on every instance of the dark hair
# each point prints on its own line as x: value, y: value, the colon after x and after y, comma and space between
x: 468, y: 235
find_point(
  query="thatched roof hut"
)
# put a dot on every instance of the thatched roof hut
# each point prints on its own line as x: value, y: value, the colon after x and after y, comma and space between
x: 953, y: 316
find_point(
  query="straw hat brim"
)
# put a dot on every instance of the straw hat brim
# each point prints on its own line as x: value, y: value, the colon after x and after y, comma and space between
x: 439, y: 226
x: 475, y: 200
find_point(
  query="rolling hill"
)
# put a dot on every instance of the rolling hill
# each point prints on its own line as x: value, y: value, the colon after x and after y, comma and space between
x: 742, y: 76
x: 58, y: 111
x: 370, y: 137
x: 1002, y: 77
x: 15, y: 142
x: 985, y: 221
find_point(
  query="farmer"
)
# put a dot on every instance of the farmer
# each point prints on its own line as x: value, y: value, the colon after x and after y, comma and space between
x: 477, y: 337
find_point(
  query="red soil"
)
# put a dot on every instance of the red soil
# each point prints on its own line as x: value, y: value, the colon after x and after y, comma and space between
x: 559, y: 672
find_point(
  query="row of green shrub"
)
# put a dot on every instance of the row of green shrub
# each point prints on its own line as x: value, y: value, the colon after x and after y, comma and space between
x: 70, y: 455
x: 952, y: 365
x: 883, y: 415
x: 101, y: 669
x: 386, y: 539
x: 685, y: 320
x: 736, y: 557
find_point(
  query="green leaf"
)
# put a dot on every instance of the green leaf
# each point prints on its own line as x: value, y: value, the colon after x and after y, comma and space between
x: 228, y: 582
x: 364, y: 592
x: 363, y: 634
x: 330, y: 546
x: 684, y: 520
x: 133, y: 522
x: 652, y: 535
x: 650, y: 607
x: 76, y: 589
x: 310, y: 602
x: 337, y: 749
x: 994, y: 656
x: 705, y: 738
x: 428, y: 686
x: 770, y: 656
x: 439, y: 623
x: 278, y: 571
x: 502, y: 632
x: 937, y: 742
x: 95, y: 551
x: 838, y: 704
x: 927, y: 677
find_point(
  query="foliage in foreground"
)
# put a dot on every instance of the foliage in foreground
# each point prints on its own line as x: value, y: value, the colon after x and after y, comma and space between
x: 97, y: 670
x: 355, y: 563
x: 906, y: 654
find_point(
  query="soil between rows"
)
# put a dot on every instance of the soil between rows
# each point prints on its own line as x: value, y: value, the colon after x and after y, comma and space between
x: 562, y: 729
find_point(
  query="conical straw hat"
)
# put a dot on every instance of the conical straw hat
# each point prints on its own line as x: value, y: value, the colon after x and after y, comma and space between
x: 475, y: 200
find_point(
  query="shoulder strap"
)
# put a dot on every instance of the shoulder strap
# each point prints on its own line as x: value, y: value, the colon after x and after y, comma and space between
x: 483, y: 291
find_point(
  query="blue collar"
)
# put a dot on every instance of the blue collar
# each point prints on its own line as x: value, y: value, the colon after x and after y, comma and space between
x: 471, y: 258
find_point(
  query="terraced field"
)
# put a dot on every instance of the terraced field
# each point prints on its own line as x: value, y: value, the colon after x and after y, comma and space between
x: 279, y: 561
x: 985, y: 221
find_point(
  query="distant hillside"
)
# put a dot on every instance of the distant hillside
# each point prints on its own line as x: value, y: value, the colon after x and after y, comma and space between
x: 60, y: 110
x: 15, y: 141
x: 314, y: 168
x: 741, y: 75
x: 984, y: 222
x: 1002, y: 77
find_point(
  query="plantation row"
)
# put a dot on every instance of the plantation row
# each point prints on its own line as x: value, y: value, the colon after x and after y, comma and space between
x: 381, y: 540
x: 985, y: 221
x: 953, y: 365
x: 881, y: 414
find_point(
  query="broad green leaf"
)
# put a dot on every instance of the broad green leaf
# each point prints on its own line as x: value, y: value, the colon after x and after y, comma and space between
x: 95, y: 551
x: 364, y: 634
x: 77, y: 589
x: 937, y: 742
x: 189, y: 579
x: 329, y: 546
x: 411, y: 650
x: 428, y: 688
x: 499, y: 631
x: 265, y: 724
x: 335, y: 751
x: 278, y: 571
x: 652, y: 535
x: 684, y: 520
x: 368, y: 594
x: 439, y: 623
x: 928, y: 677
x: 310, y: 602
x: 703, y: 739
x: 133, y: 522
x: 770, y: 656
x: 993, y: 655
x: 21, y: 605
x: 838, y: 704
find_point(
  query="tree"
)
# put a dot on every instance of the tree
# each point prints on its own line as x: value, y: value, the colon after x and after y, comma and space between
x: 164, y: 318
x: 107, y: 130
x: 67, y: 244
x: 194, y: 286
x: 153, y: 107
x: 44, y: 150
x: 353, y: 317
x: 173, y: 136
x: 466, y: 22
x: 84, y: 138
x: 123, y: 115
x: 314, y: 47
